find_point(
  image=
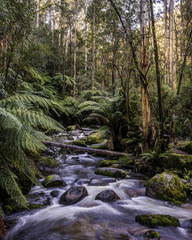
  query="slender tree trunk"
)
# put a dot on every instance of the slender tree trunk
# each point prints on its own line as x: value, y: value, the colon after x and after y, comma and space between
x: 37, y: 23
x: 166, y: 45
x: 146, y: 111
x: 86, y: 32
x: 114, y: 65
x: 75, y: 52
x: 172, y: 62
x: 93, y: 48
x: 158, y: 77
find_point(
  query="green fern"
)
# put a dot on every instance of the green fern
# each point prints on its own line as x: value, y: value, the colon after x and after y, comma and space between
x: 21, y: 118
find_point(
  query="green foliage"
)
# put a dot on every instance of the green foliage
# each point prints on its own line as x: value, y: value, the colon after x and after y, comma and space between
x: 110, y: 111
x: 20, y: 118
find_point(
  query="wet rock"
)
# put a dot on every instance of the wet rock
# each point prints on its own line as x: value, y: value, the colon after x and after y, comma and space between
x: 187, y: 224
x: 168, y: 187
x: 112, y: 172
x: 107, y: 196
x: 73, y: 195
x: 96, y: 182
x: 107, y: 163
x: 38, y: 200
x: 152, y: 235
x: 134, y: 192
x: 82, y: 181
x: 155, y: 220
x: 53, y: 181
x: 79, y: 142
x: 54, y: 193
x: 109, y: 180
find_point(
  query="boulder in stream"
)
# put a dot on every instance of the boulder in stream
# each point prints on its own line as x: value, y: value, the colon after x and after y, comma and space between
x: 107, y: 196
x: 152, y: 235
x: 112, y: 172
x: 73, y: 195
x: 53, y: 181
x: 155, y: 220
x: 168, y: 187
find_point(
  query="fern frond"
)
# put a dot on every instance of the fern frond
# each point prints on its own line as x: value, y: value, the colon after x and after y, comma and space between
x: 97, y: 116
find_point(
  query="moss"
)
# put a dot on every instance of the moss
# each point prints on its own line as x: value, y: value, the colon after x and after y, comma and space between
x: 155, y: 220
x: 49, y: 162
x: 111, y: 172
x: 69, y: 137
x: 168, y: 187
x: 152, y: 235
x: 79, y: 142
x: 98, y: 136
x: 71, y: 128
x: 178, y: 163
x: 35, y: 206
x: 107, y: 163
x: 53, y: 181
x: 185, y: 146
x: 125, y: 161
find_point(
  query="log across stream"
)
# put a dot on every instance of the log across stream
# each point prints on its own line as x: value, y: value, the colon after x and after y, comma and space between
x: 93, y: 219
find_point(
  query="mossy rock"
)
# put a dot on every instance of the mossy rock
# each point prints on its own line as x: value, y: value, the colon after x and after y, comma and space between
x: 168, y: 187
x: 79, y: 142
x: 102, y: 145
x: 156, y: 220
x: 98, y: 136
x: 49, y: 162
x: 71, y: 128
x: 111, y: 172
x: 185, y: 146
x: 53, y: 181
x: 152, y: 235
x: 107, y: 163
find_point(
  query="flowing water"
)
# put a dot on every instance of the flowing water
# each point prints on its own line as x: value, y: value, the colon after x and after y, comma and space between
x: 92, y: 219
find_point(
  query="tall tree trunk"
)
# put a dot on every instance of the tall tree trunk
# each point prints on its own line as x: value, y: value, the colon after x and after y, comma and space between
x: 37, y: 21
x: 63, y: 40
x: 146, y: 111
x: 114, y: 65
x: 86, y: 32
x: 157, y: 71
x: 93, y: 48
x: 75, y: 52
x: 172, y: 61
x: 166, y: 45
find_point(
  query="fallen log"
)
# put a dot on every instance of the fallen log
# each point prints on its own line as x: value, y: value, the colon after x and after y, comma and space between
x: 86, y: 149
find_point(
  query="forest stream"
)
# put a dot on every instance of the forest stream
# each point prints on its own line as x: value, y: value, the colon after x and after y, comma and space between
x: 93, y: 219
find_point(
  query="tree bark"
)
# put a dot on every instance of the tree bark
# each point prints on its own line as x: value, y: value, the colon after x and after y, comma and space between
x: 166, y: 69
x: 172, y: 61
x: 75, y: 52
x: 146, y: 110
x: 158, y: 77
x: 93, y: 48
x: 90, y: 150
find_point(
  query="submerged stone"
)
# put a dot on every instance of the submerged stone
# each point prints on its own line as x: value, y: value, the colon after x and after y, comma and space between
x: 96, y: 182
x: 73, y: 195
x: 107, y: 196
x: 155, y: 220
x: 53, y: 181
x: 168, y: 187
x: 54, y: 193
x: 112, y: 172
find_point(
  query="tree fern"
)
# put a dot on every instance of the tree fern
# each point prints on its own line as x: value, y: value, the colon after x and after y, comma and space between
x: 21, y: 118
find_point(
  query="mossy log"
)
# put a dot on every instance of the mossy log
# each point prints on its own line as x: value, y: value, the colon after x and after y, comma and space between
x: 90, y: 150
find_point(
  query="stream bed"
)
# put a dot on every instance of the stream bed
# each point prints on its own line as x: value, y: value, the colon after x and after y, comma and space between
x: 92, y: 219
